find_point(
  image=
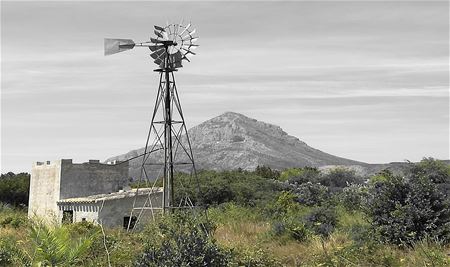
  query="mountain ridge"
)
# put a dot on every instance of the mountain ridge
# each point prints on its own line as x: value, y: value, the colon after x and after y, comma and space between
x: 233, y: 140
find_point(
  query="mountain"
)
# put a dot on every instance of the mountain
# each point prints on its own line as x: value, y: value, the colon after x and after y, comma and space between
x: 232, y: 141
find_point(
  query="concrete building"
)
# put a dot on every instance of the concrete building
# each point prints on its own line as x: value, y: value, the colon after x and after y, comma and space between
x: 73, y: 192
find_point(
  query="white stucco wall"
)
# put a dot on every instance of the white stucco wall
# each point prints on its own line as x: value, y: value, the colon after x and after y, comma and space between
x: 111, y: 213
x: 44, y: 190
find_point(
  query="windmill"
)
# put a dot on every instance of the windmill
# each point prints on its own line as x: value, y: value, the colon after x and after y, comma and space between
x: 168, y: 147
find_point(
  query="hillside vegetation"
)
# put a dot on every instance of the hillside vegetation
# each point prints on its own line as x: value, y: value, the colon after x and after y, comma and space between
x: 297, y: 217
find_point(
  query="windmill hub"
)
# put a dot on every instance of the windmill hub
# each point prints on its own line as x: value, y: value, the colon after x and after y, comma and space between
x: 169, y: 43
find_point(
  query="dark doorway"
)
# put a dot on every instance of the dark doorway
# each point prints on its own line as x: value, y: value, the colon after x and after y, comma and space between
x: 126, y: 221
x: 67, y: 217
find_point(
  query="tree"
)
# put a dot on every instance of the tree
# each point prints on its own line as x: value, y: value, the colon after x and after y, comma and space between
x: 14, y: 188
x: 267, y: 172
x: 436, y: 171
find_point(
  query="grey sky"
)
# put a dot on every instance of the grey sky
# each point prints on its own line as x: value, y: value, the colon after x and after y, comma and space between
x: 367, y: 81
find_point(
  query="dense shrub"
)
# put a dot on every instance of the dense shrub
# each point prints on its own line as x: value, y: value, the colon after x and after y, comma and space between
x: 13, y: 220
x: 322, y: 221
x: 7, y: 251
x: 353, y: 197
x: 285, y: 202
x: 436, y: 171
x: 267, y: 172
x: 339, y: 178
x: 180, y: 240
x: 289, y: 173
x: 304, y: 175
x: 244, y: 188
x: 311, y: 194
x: 292, y: 227
x: 14, y: 188
x: 405, y: 210
x: 287, y: 217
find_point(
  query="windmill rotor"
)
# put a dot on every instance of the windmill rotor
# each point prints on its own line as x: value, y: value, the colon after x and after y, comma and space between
x: 175, y: 41
x: 181, y: 43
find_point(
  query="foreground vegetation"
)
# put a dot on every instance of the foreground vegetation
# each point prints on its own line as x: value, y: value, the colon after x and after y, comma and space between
x: 299, y: 217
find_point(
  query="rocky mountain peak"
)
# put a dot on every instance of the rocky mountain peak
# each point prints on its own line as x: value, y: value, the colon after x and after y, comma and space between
x: 235, y: 127
x: 232, y: 140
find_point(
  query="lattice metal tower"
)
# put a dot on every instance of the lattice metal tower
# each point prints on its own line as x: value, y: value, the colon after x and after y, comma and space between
x: 168, y: 147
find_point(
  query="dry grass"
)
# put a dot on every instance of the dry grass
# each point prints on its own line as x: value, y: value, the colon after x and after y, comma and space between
x: 243, y: 233
x: 333, y: 252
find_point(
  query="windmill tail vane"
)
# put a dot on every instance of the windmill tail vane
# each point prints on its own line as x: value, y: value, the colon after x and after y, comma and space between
x: 168, y: 147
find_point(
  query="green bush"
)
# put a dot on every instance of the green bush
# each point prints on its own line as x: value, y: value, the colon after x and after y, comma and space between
x: 311, y: 194
x: 322, y: 221
x: 405, y: 210
x: 300, y: 175
x: 243, y: 188
x: 289, y: 173
x: 7, y: 250
x: 291, y: 227
x: 267, y: 172
x: 339, y: 178
x: 180, y: 239
x: 15, y: 219
x: 288, y: 220
x: 82, y: 228
x: 14, y: 188
x: 303, y: 175
x: 353, y: 197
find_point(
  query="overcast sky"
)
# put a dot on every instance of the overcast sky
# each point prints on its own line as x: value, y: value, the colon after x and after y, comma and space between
x: 367, y: 81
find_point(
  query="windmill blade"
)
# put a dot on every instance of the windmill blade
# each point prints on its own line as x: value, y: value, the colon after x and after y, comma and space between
x: 158, y: 53
x: 188, y: 51
x: 162, y: 56
x: 158, y: 56
x: 158, y: 34
x: 189, y: 46
x: 113, y: 46
x: 165, y: 35
x: 154, y: 48
x: 185, y: 28
x: 159, y: 28
x: 178, y: 56
x: 178, y: 65
x: 186, y: 58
